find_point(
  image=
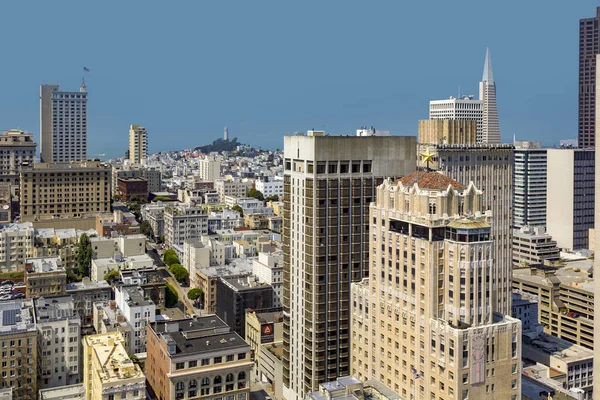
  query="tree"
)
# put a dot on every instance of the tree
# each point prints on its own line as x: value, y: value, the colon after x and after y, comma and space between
x: 146, y: 228
x: 112, y: 275
x: 161, y: 238
x: 272, y: 198
x: 195, y: 294
x: 238, y: 209
x: 179, y: 272
x: 257, y: 194
x: 84, y: 255
x: 171, y: 296
x: 170, y: 257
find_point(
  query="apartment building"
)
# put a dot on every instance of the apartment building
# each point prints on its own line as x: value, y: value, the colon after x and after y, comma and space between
x: 329, y: 182
x: 44, y: 277
x: 209, y: 168
x: 154, y: 214
x: 197, y: 358
x: 566, y: 299
x: 151, y: 175
x: 263, y: 328
x: 66, y: 190
x: 232, y: 187
x: 270, y: 186
x: 59, y: 338
x: 85, y: 294
x: 17, y: 243
x: 268, y: 268
x: 138, y: 310
x: 18, y: 337
x: 489, y: 167
x: 138, y: 145
x: 530, y: 182
x: 108, y: 372
x: 17, y: 149
x: 431, y: 236
x: 207, y: 279
x: 58, y: 243
x: 532, y: 245
x: 184, y: 221
x: 130, y: 189
x: 63, y: 124
x: 195, y: 255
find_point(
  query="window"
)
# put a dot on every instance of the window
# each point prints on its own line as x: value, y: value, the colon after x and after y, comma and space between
x: 241, y: 375
x: 218, y: 360
x: 230, y: 357
x: 205, y: 382
x: 179, y: 386
x: 217, y: 379
x: 180, y: 365
x: 229, y: 378
x: 241, y: 356
x: 192, y: 364
x: 205, y: 361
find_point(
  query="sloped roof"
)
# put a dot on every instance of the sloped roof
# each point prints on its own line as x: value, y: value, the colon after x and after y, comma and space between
x: 430, y: 180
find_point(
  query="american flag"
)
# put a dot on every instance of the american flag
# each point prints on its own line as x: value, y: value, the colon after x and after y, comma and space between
x: 85, y: 69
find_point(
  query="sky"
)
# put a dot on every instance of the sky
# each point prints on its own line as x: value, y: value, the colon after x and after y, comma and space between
x: 187, y: 69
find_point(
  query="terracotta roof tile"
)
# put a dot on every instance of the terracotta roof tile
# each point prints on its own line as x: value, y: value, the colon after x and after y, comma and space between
x: 430, y: 180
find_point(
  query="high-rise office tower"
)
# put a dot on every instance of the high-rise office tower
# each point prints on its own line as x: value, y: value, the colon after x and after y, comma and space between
x: 490, y: 127
x: 483, y: 110
x: 138, y: 144
x: 63, y: 124
x: 490, y: 167
x: 597, y: 240
x: 529, y: 179
x: 329, y: 182
x: 423, y: 322
x: 570, y: 199
x: 588, y: 48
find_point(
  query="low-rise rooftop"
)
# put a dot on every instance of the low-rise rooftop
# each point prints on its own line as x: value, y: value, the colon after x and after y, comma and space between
x: 43, y: 265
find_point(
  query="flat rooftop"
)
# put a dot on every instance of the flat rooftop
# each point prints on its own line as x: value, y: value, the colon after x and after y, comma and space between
x: 72, y: 392
x: 87, y: 285
x: 204, y: 335
x: 575, y: 274
x: 16, y: 316
x: 44, y: 265
x: 54, y: 308
x: 558, y: 348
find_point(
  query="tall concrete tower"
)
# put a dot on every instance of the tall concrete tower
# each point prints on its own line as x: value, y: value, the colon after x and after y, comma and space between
x: 329, y: 183
x: 226, y: 134
x: 588, y: 48
x: 63, y: 124
x: 138, y: 144
x: 490, y: 128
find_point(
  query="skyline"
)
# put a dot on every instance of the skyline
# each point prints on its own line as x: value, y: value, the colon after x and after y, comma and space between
x: 192, y: 69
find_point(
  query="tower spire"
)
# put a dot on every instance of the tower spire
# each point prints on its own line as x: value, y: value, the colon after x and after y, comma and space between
x: 488, y: 76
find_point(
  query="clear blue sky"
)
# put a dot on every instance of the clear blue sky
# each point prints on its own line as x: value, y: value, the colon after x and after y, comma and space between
x: 186, y: 69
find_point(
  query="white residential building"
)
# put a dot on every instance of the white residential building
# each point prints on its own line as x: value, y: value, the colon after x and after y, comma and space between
x: 126, y: 246
x: 232, y: 187
x: 63, y: 124
x: 138, y: 145
x: 184, y: 221
x: 16, y: 244
x: 59, y: 341
x: 209, y: 168
x: 138, y: 311
x: 269, y: 269
x: 195, y: 254
x: 270, y: 186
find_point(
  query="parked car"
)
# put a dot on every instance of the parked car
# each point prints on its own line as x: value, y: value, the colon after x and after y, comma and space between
x: 5, y: 297
x: 8, y: 282
x: 19, y: 296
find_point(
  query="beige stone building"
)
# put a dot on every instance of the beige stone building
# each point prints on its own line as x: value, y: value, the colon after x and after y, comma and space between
x: 446, y: 131
x: 66, y: 190
x: 44, y: 277
x: 197, y: 359
x: 329, y: 182
x: 490, y: 167
x: 108, y: 372
x: 566, y: 299
x: 423, y: 322
x: 532, y: 245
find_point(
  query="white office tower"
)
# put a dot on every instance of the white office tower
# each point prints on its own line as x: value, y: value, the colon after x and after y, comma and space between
x: 484, y: 110
x: 63, y: 124
x: 490, y: 128
x: 138, y: 145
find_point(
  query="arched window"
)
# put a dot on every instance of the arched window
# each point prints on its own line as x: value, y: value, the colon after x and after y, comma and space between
x: 217, y: 379
x: 205, y: 381
x: 461, y: 206
x: 229, y: 378
x: 432, y: 207
x: 192, y: 383
x: 241, y: 375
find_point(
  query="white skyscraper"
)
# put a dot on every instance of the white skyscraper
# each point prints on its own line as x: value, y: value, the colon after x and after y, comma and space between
x: 138, y: 144
x: 490, y: 128
x: 63, y: 124
x: 483, y: 110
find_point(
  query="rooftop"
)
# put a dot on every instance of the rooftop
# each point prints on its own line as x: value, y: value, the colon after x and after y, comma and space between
x: 43, y: 265
x: 430, y: 180
x: 555, y: 347
x: 111, y: 356
x: 245, y: 283
x: 133, y: 296
x: 204, y: 334
x: 17, y: 316
x: 87, y: 285
x: 54, y: 308
x: 72, y: 392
